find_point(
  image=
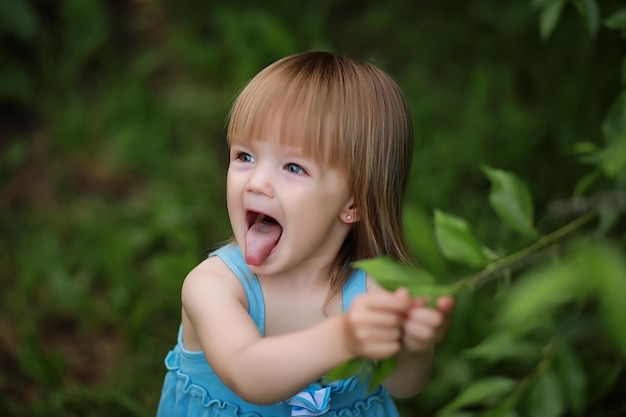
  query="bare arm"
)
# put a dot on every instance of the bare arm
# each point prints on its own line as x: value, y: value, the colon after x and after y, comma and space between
x: 266, y: 370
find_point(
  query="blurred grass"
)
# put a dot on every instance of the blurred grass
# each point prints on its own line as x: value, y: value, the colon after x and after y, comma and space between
x: 112, y: 160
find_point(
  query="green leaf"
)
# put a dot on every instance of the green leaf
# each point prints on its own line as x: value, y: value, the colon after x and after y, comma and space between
x: 511, y: 200
x: 382, y: 369
x: 420, y: 236
x: 392, y: 274
x: 433, y: 292
x: 616, y: 20
x: 500, y: 346
x: 597, y: 269
x: 482, y: 392
x: 549, y: 17
x: 609, y: 213
x: 572, y: 379
x: 540, y: 291
x: 378, y: 371
x: 349, y: 369
x: 457, y: 241
x: 584, y: 147
x: 590, y: 13
x: 85, y: 29
x: 544, y: 398
x: 17, y: 17
x: 613, y: 158
x: 614, y: 124
x: 586, y: 182
x: 606, y: 266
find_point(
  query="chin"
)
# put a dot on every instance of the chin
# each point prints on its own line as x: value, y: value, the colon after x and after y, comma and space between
x: 263, y: 269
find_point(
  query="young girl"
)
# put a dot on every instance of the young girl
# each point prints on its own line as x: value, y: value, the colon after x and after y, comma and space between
x: 320, y: 151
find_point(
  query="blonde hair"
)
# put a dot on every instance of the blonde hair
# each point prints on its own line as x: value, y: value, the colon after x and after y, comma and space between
x: 352, y: 116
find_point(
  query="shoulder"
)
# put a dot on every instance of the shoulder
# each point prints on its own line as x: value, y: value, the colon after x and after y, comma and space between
x: 210, y: 280
x: 214, y: 302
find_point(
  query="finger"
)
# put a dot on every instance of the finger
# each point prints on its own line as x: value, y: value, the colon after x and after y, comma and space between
x: 402, y: 293
x: 398, y: 301
x: 381, y: 350
x: 416, y: 344
x: 387, y: 334
x: 370, y: 336
x: 445, y: 304
x: 419, y: 302
x: 378, y: 319
x: 418, y: 330
x: 427, y: 316
x: 419, y: 334
x: 402, y: 298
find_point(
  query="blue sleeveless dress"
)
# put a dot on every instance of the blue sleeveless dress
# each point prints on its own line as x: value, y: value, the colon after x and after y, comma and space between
x: 191, y: 387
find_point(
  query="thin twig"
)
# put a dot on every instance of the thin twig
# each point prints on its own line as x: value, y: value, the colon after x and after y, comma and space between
x: 496, y: 268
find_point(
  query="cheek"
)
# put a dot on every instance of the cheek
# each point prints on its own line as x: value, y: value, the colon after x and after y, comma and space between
x: 233, y: 196
x: 321, y: 209
x: 233, y: 185
x: 230, y: 197
x: 230, y: 179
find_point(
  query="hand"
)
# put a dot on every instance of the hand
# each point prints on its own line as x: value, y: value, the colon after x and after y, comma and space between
x: 374, y: 323
x: 424, y: 326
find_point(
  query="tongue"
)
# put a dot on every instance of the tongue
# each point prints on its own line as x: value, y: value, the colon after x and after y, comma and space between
x: 260, y: 240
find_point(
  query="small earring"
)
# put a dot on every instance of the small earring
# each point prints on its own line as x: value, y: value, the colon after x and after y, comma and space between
x: 348, y: 217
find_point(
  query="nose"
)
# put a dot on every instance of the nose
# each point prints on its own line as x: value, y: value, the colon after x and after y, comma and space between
x: 260, y: 181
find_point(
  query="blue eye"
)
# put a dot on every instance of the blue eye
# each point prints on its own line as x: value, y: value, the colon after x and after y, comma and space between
x: 244, y: 157
x: 295, y: 169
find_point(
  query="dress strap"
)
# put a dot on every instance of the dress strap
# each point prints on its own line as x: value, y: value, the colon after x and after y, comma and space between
x: 356, y: 284
x: 233, y: 258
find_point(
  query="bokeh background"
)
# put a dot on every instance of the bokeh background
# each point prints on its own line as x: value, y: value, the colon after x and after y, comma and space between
x: 113, y: 161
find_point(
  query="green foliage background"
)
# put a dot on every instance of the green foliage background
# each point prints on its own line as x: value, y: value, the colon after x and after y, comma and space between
x: 112, y: 163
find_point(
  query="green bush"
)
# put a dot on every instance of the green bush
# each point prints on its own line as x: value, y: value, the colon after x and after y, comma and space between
x: 112, y: 174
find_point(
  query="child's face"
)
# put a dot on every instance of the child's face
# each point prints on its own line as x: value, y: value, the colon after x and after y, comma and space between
x: 303, y: 202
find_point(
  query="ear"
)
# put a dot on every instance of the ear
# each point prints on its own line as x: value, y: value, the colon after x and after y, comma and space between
x: 349, y: 214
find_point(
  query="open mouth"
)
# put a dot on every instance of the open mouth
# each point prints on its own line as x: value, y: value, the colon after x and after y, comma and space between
x: 262, y: 236
x: 253, y: 218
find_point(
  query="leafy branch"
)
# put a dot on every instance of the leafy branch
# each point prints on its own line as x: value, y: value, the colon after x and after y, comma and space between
x: 590, y: 271
x: 509, y: 194
x: 506, y: 263
x: 456, y: 241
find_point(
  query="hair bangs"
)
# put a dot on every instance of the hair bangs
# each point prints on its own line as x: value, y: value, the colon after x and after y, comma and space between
x: 292, y: 109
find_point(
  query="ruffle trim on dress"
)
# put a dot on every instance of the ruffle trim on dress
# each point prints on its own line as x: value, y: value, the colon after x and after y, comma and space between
x: 315, y: 400
x: 372, y: 406
x: 213, y: 406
